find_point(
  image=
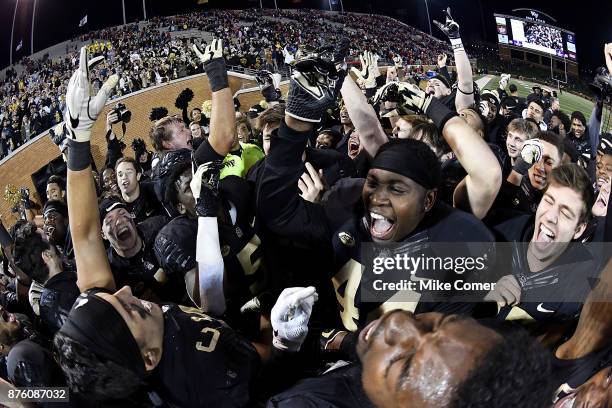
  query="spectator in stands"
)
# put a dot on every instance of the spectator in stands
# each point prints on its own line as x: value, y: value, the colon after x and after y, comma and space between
x: 56, y: 189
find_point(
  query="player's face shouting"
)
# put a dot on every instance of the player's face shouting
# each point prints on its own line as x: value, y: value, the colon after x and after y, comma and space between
x: 394, y: 204
x: 417, y: 361
x: 557, y: 222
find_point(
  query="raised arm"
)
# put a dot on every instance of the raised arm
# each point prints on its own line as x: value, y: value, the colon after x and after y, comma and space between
x: 363, y: 116
x: 594, y: 125
x: 93, y: 269
x: 608, y: 56
x: 204, y: 186
x: 478, y: 190
x: 222, y: 119
x: 465, y: 87
x: 279, y: 205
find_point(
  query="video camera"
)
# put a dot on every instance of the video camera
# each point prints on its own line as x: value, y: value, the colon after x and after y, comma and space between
x: 123, y: 113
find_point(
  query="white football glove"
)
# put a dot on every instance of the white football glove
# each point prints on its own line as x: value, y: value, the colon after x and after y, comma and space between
x: 408, y: 97
x: 397, y: 61
x: 290, y: 316
x: 204, y: 188
x: 212, y: 51
x: 503, y: 81
x: 34, y: 296
x: 532, y: 151
x: 81, y: 109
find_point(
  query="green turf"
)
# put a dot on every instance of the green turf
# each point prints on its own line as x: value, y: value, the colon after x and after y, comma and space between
x: 569, y: 102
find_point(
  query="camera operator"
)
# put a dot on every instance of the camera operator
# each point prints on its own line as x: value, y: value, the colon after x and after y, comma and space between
x: 139, y: 196
x: 115, y: 150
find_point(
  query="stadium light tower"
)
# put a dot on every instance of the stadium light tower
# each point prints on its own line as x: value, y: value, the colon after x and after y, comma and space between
x: 12, y: 32
x: 144, y: 10
x: 428, y: 18
x: 32, y: 34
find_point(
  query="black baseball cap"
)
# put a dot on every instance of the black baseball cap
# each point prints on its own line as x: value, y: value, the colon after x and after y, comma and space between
x: 109, y: 204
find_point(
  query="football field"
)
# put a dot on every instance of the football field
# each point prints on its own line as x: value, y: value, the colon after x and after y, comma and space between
x: 569, y: 102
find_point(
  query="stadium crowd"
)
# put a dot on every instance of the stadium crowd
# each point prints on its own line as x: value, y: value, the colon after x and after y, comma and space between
x: 235, y: 264
x: 546, y: 36
x: 146, y: 55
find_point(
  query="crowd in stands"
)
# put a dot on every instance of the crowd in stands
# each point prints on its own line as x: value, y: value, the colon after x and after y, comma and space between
x: 366, y: 239
x: 145, y: 55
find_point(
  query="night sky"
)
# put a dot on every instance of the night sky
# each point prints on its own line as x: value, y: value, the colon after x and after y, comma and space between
x: 57, y: 20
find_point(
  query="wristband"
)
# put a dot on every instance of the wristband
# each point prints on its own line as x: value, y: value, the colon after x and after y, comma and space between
x: 465, y: 93
x: 439, y: 113
x: 79, y: 155
x: 521, y: 166
x: 457, y: 44
x: 217, y: 74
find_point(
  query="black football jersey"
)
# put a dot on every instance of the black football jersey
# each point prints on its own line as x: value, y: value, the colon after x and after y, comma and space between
x: 443, y: 224
x: 204, y: 362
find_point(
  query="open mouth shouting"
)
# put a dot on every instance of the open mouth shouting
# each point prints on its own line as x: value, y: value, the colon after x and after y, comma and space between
x: 545, y: 237
x: 539, y: 179
x: 381, y: 227
x: 123, y: 232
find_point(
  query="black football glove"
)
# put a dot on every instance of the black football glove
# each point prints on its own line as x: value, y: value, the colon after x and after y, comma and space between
x: 450, y: 27
x: 205, y: 187
x: 313, y: 88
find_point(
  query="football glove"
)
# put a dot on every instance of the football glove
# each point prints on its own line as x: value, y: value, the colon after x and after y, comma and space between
x: 214, y: 64
x: 398, y: 62
x: 408, y: 97
x: 82, y: 109
x: 450, y: 26
x: 290, y: 316
x: 205, y: 187
x: 314, y: 85
x: 531, y: 153
x: 34, y: 294
x: 503, y: 81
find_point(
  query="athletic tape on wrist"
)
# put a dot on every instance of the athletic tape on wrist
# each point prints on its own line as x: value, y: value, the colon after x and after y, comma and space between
x: 79, y: 155
x: 439, y: 113
x: 457, y: 44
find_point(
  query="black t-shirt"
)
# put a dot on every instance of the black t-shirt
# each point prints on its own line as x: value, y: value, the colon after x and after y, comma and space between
x: 204, y: 362
x: 443, y: 224
x: 449, y: 101
x: 340, y: 388
x: 146, y: 205
x: 513, y: 201
x: 555, y: 293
